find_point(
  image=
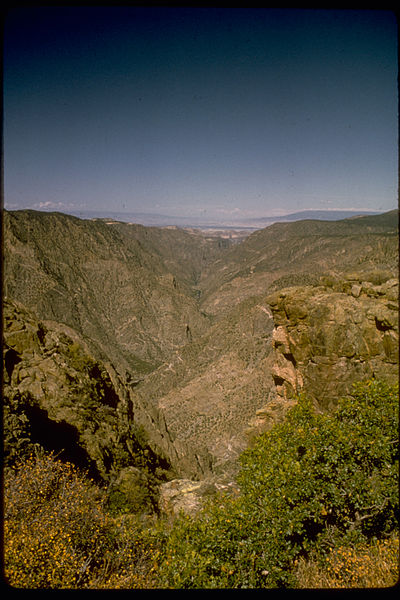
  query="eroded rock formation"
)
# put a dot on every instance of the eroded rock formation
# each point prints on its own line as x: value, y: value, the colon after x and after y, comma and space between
x: 326, y: 338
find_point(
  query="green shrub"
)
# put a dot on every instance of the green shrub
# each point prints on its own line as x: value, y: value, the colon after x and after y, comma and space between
x: 315, y: 479
x: 312, y: 482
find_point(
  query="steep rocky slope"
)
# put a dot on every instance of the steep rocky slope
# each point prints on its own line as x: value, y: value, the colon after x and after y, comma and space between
x: 105, y: 282
x: 181, y: 253
x: 58, y: 396
x: 210, y: 389
x: 298, y: 254
x: 328, y: 336
x: 200, y: 344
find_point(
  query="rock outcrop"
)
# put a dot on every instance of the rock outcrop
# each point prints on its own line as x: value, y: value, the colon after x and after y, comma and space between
x: 326, y: 338
x: 184, y: 495
x: 58, y: 396
x: 188, y: 496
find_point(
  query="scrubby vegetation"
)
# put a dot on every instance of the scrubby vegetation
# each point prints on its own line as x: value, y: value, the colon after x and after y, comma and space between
x: 314, y: 483
x: 317, y: 507
x: 57, y: 533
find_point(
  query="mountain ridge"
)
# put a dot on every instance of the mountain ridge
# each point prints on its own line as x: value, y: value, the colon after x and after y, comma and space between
x: 310, y: 248
x: 316, y: 214
x: 161, y: 220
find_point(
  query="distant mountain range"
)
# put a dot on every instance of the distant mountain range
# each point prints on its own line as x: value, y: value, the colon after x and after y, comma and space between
x: 319, y: 215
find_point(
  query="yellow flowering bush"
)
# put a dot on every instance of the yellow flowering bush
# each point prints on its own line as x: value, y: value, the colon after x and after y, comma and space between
x: 57, y: 535
x: 54, y: 527
x: 365, y: 566
x: 318, y: 506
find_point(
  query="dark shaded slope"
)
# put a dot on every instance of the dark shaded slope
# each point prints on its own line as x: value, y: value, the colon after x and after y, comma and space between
x: 56, y: 395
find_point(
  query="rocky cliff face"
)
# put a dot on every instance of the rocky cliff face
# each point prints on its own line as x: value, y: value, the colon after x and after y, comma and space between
x: 328, y: 336
x: 155, y: 353
x: 57, y: 396
x: 100, y: 280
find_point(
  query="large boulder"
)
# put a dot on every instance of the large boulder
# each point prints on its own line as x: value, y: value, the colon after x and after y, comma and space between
x: 184, y: 495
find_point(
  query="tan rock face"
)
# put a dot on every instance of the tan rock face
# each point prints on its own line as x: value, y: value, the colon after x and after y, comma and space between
x: 324, y: 339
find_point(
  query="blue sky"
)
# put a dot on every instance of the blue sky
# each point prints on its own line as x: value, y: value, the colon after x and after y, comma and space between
x: 209, y: 112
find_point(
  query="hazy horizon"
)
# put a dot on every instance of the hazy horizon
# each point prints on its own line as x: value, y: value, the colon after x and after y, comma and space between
x: 208, y: 114
x: 251, y: 224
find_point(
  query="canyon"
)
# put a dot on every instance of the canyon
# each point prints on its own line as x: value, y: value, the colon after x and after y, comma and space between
x: 152, y: 356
